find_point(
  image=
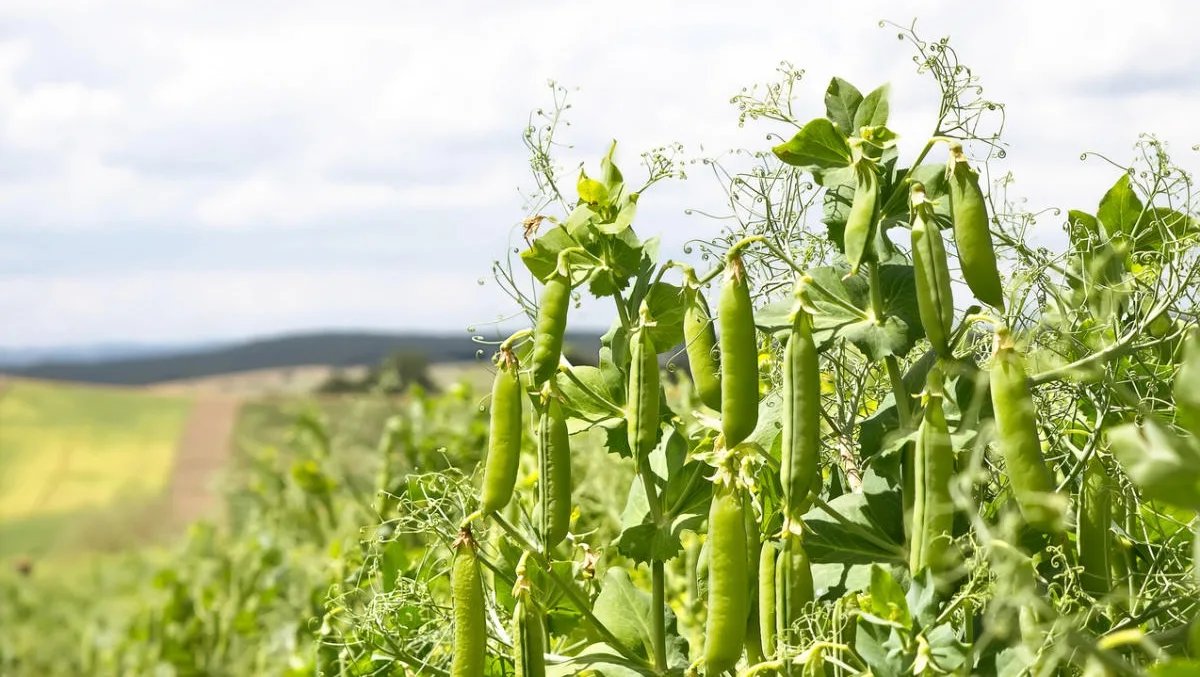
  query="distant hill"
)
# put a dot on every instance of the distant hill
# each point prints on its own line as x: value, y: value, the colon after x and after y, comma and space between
x: 99, y: 352
x: 339, y: 349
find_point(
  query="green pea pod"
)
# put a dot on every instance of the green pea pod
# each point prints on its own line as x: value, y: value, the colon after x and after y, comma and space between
x: 504, y: 436
x: 801, y: 442
x: 1187, y: 385
x: 793, y: 585
x: 643, y: 394
x: 529, y: 637
x: 1093, y: 534
x: 767, y: 620
x: 971, y: 231
x: 753, y: 639
x: 739, y: 356
x: 860, y: 222
x: 554, y: 474
x: 470, y: 621
x: 1017, y: 437
x: 701, y: 340
x: 935, y: 301
x: 550, y: 328
x: 932, y: 530
x: 728, y: 581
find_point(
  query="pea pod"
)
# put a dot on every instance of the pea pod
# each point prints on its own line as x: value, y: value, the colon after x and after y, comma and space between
x: 504, y: 436
x: 971, y: 232
x: 701, y: 340
x: 470, y: 621
x: 554, y: 474
x: 1187, y: 385
x: 793, y: 585
x: 935, y: 301
x: 529, y: 636
x: 739, y: 355
x: 801, y: 441
x: 860, y: 222
x: 933, y: 507
x: 1017, y: 436
x: 753, y: 639
x: 767, y: 620
x: 643, y: 393
x: 728, y: 581
x: 550, y: 328
x: 1093, y: 533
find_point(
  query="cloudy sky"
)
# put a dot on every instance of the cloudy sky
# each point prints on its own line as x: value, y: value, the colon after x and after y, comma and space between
x: 175, y: 171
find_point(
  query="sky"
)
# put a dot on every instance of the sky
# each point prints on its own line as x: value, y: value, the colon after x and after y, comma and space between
x: 176, y: 171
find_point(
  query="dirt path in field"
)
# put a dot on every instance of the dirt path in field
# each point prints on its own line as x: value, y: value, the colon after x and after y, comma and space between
x: 204, y: 450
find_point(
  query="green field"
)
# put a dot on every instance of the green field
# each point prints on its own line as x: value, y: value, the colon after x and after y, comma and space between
x: 78, y: 461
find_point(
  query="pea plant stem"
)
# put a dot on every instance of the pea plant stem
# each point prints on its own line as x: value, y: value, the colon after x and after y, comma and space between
x: 570, y: 592
x: 903, y: 406
x: 657, y: 570
x: 876, y: 294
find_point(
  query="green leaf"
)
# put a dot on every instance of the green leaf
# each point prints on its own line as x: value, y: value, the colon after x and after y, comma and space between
x: 896, y: 332
x: 591, y: 191
x: 887, y: 598
x: 873, y: 530
x: 666, y: 304
x: 583, y: 402
x: 882, y: 648
x: 833, y: 580
x: 873, y: 111
x: 841, y: 103
x: 542, y: 256
x: 1083, y: 227
x: 922, y: 598
x: 626, y: 611
x: 817, y: 146
x: 614, y: 182
x: 1161, y: 224
x: 1163, y: 465
x: 1120, y: 208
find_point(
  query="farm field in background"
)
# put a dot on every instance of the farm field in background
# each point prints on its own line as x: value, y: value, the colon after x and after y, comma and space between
x: 99, y: 468
x: 78, y: 458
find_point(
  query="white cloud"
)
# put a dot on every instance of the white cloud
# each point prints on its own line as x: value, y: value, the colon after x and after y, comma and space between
x: 293, y: 120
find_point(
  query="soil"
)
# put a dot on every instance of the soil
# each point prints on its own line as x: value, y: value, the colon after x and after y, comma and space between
x: 204, y: 451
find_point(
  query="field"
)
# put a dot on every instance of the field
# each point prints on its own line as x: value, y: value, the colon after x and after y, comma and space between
x: 81, y: 463
x: 99, y: 468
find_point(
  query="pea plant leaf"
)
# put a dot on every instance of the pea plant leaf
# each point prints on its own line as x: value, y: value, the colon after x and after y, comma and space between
x: 582, y: 391
x: 866, y: 528
x: 1120, y: 208
x: 1083, y: 229
x: 818, y: 146
x: 1164, y: 465
x: 1161, y: 225
x: 542, y: 256
x: 842, y: 100
x: 887, y: 598
x: 844, y: 307
x: 626, y: 611
x: 666, y: 305
x: 873, y: 111
x: 844, y: 311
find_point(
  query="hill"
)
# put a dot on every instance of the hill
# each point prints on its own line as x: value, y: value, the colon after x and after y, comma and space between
x: 336, y: 349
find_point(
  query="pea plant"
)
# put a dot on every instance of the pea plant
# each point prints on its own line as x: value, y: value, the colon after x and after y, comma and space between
x: 862, y: 472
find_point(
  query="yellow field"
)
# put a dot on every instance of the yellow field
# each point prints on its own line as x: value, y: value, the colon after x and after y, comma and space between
x: 66, y: 448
